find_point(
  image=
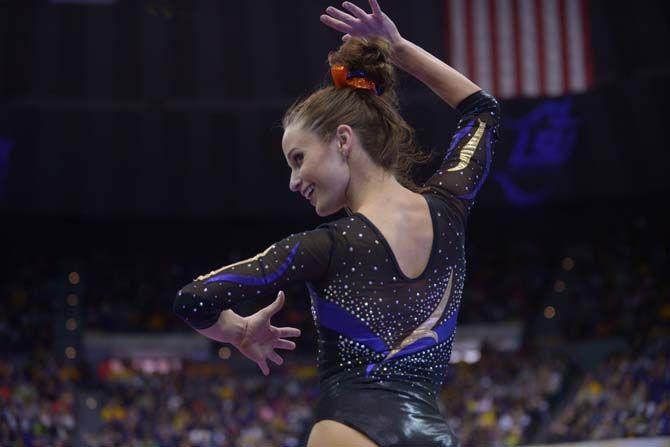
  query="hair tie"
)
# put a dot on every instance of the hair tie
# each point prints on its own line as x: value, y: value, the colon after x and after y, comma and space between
x: 342, y: 77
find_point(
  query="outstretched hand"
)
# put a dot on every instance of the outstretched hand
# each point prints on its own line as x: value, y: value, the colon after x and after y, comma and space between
x: 360, y: 24
x: 260, y: 338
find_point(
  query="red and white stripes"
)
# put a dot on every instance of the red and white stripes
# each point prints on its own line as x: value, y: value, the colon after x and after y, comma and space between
x: 521, y: 48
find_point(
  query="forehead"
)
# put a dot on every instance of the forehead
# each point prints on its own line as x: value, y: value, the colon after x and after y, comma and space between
x: 297, y: 136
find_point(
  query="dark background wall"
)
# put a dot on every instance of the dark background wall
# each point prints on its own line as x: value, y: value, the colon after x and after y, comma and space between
x: 171, y: 109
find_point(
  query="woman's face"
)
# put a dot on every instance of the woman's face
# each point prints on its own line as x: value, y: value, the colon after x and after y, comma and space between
x: 319, y: 171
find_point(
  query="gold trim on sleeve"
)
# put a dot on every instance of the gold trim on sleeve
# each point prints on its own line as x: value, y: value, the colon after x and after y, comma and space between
x: 214, y: 272
x: 469, y: 149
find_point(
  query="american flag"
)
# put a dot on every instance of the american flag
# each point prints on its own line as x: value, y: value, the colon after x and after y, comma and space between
x: 521, y: 48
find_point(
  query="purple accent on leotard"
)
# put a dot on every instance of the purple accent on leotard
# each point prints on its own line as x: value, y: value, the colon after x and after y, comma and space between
x: 444, y: 331
x: 254, y: 281
x: 337, y: 319
x: 458, y: 136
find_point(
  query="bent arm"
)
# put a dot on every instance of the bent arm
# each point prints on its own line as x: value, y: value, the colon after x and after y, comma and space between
x: 445, y: 81
x: 208, y: 299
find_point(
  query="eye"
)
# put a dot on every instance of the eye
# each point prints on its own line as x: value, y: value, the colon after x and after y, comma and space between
x: 297, y: 159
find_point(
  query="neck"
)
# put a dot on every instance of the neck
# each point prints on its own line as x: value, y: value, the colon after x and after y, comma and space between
x: 376, y: 190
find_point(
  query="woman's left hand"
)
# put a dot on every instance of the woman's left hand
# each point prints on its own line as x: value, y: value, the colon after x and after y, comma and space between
x: 260, y: 338
x: 360, y: 24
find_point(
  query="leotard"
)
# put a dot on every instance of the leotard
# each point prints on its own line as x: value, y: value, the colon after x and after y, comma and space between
x: 384, y: 340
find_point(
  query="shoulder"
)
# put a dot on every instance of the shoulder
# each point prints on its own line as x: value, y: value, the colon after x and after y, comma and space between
x: 342, y: 222
x: 445, y: 210
x: 349, y: 231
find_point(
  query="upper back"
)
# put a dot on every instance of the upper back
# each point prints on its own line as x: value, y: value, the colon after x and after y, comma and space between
x: 366, y: 297
x: 409, y: 233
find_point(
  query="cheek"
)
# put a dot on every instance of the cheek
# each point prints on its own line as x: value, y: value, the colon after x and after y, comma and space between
x: 333, y: 172
x: 335, y: 178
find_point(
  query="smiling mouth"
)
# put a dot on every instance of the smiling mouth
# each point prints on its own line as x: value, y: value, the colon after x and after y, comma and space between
x: 310, y: 192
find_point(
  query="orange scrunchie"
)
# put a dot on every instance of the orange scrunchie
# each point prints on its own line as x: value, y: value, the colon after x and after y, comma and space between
x: 342, y: 78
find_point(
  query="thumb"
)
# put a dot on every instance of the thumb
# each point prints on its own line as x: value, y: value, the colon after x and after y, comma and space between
x: 276, y: 304
x: 346, y: 37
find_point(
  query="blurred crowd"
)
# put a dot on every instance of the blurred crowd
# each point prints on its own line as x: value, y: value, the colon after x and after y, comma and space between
x: 493, y: 402
x: 627, y: 396
x: 37, y: 403
x: 501, y: 398
x: 203, y: 404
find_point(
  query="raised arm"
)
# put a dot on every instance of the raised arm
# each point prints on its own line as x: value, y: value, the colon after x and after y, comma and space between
x: 447, y: 83
x: 466, y: 164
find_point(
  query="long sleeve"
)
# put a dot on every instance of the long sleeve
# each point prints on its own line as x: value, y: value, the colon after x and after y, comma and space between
x: 467, y: 162
x: 298, y: 258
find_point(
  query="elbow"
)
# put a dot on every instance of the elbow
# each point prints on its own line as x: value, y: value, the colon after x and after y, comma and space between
x: 490, y: 103
x: 195, y: 308
x: 479, y: 104
x: 180, y: 305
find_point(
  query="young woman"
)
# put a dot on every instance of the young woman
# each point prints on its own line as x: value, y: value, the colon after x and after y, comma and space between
x: 385, y: 282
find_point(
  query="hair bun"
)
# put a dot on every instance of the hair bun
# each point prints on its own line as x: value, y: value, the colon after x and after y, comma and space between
x: 373, y: 56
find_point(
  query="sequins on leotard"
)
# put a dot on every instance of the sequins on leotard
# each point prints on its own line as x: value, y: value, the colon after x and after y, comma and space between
x: 373, y: 323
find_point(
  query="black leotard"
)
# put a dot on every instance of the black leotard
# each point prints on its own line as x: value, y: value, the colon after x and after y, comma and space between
x: 384, y: 340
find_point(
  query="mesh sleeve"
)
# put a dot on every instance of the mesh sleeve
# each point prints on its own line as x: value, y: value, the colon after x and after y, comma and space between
x: 468, y: 159
x: 298, y: 258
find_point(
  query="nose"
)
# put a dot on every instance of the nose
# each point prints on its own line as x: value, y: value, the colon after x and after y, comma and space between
x: 294, y: 182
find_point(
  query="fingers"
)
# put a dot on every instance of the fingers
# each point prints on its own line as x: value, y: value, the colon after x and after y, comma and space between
x: 341, y: 16
x: 277, y: 304
x: 284, y: 344
x: 275, y: 358
x: 264, y: 367
x: 355, y: 10
x: 287, y: 332
x: 335, y: 24
x: 375, y: 7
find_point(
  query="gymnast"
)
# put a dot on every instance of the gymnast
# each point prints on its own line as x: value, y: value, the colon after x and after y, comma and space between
x: 385, y: 281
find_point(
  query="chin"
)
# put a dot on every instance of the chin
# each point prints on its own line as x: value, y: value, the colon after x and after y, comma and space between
x: 321, y: 212
x: 325, y: 210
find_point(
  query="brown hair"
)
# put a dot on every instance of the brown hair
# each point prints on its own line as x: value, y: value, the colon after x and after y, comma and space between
x: 384, y: 134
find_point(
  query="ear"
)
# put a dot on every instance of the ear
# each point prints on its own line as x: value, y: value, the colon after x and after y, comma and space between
x: 344, y: 135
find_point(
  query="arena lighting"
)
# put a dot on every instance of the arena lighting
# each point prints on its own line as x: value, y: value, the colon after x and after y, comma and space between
x: 71, y: 324
x: 73, y: 277
x: 472, y: 356
x: 72, y: 299
x: 91, y: 403
x: 224, y: 353
x: 70, y: 352
x: 549, y: 312
x: 559, y: 286
x: 568, y: 264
